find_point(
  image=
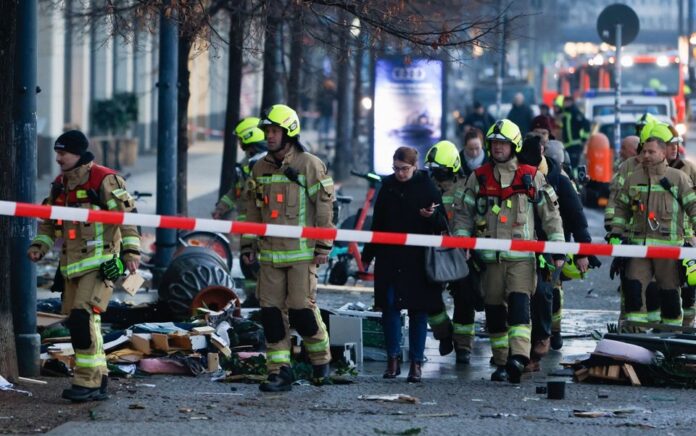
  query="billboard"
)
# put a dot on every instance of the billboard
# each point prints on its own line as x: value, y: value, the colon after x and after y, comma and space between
x: 407, y: 109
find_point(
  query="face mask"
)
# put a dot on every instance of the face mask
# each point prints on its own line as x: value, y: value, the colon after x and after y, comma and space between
x: 475, y: 162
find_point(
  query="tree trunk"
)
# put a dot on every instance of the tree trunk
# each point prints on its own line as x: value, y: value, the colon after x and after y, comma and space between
x: 358, y: 148
x: 343, y: 146
x: 272, y: 62
x: 185, y: 43
x: 296, y: 57
x: 8, y: 352
x: 234, y: 95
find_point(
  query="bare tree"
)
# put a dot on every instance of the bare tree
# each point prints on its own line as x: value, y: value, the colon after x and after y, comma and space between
x: 446, y: 29
x: 8, y: 352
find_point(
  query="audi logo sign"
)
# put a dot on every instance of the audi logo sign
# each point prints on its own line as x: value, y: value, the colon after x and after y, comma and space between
x: 408, y: 73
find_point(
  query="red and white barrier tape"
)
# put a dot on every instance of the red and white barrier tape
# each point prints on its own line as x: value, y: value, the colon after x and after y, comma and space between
x: 27, y: 210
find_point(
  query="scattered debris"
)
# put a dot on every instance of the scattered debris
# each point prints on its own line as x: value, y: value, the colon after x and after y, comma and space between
x: 45, y: 319
x: 32, y: 381
x: 618, y: 413
x: 390, y: 398
x: 7, y: 386
x: 498, y: 415
x: 408, y: 431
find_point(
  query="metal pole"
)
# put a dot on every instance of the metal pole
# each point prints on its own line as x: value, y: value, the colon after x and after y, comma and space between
x: 501, y: 72
x: 68, y: 59
x: 617, y: 99
x: 166, y: 137
x: 23, y: 276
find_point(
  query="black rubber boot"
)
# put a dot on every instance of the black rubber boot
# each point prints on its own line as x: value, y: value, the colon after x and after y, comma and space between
x: 446, y: 346
x: 463, y: 356
x: 556, y: 340
x: 500, y: 374
x: 80, y: 394
x: 515, y: 368
x: 321, y: 374
x: 281, y: 382
x: 104, y: 384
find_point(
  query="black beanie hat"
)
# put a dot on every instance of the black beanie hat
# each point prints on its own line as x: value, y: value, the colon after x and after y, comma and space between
x: 72, y: 141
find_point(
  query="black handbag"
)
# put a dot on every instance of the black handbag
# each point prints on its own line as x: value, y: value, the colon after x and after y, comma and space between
x: 444, y: 265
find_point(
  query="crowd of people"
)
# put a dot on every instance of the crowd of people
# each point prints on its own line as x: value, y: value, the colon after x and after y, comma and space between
x: 521, y: 187
x: 502, y: 184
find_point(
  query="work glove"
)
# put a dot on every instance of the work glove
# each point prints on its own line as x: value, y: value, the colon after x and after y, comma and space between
x: 617, y: 267
x: 112, y: 269
x: 594, y: 261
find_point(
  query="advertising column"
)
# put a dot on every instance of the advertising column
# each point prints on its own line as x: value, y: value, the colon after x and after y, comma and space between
x: 408, y: 105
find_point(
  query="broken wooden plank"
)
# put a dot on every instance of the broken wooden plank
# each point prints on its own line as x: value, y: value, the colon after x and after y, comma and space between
x: 32, y: 381
x: 582, y: 374
x: 631, y: 374
x: 614, y: 372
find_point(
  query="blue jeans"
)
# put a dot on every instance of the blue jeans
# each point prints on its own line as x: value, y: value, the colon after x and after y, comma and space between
x: 417, y: 330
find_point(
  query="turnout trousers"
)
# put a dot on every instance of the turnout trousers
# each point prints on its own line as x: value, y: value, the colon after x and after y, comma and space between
x: 287, y: 296
x: 84, y: 299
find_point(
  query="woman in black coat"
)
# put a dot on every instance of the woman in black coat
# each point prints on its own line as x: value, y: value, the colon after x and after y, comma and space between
x: 408, y: 202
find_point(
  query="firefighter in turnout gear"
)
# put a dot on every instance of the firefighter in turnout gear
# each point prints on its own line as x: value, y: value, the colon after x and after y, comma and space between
x: 445, y: 167
x: 289, y: 186
x: 89, y: 258
x: 655, y: 206
x: 500, y: 201
x: 253, y: 144
x: 575, y: 130
x: 676, y: 161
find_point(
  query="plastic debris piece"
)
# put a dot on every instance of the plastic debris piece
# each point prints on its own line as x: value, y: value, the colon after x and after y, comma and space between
x: 7, y: 386
x: 390, y: 398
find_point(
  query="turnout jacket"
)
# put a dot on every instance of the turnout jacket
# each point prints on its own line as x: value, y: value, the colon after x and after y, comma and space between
x: 87, y: 245
x: 650, y: 207
x: 297, y: 192
x: 624, y: 171
x: 483, y: 214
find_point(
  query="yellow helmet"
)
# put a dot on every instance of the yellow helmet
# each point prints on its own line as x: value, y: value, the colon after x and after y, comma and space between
x: 443, y: 154
x: 690, y: 270
x: 646, y: 118
x: 558, y: 101
x: 248, y: 131
x: 657, y: 130
x: 284, y: 117
x: 570, y: 270
x: 507, y: 131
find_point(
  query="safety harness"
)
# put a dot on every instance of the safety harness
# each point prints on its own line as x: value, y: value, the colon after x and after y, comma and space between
x: 86, y: 193
x: 522, y: 183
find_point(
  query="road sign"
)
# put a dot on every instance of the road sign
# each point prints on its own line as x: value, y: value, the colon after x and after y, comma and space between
x: 617, y: 25
x: 613, y: 16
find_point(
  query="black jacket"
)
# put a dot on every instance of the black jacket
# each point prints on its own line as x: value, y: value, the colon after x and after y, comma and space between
x: 403, y: 267
x: 569, y: 205
x: 480, y: 121
x: 521, y: 115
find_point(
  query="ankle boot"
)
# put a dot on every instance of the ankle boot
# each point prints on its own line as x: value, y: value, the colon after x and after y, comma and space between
x: 446, y: 346
x: 393, y: 368
x: 500, y: 374
x: 281, y: 382
x: 321, y: 374
x: 414, y: 373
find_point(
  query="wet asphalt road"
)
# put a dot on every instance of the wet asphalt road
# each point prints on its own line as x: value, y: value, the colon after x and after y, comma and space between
x: 452, y: 399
